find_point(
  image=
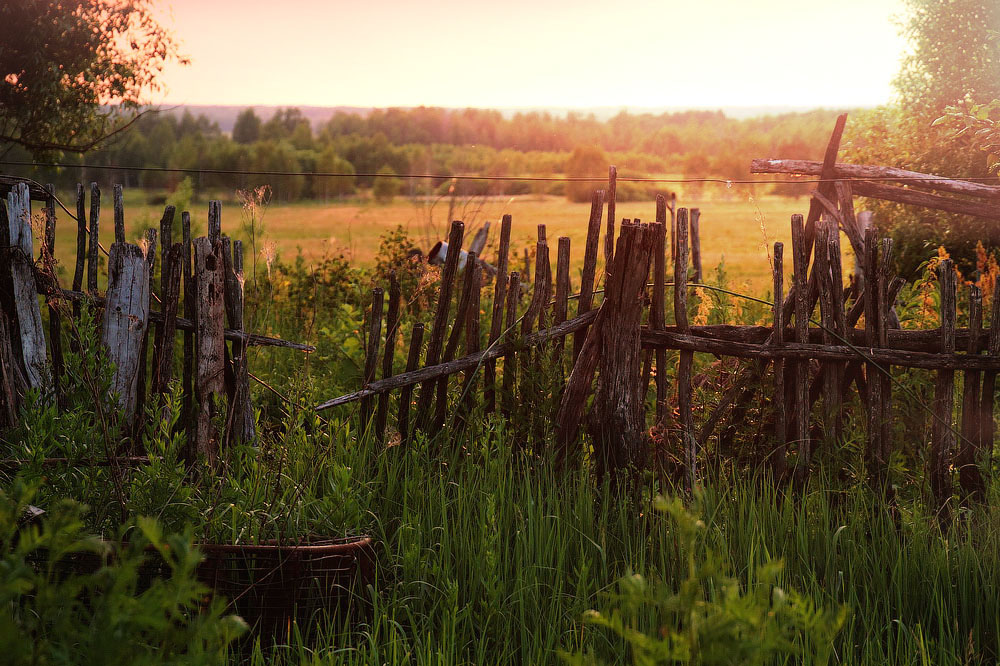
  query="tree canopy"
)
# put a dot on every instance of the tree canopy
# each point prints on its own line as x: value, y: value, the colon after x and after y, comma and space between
x: 75, y: 73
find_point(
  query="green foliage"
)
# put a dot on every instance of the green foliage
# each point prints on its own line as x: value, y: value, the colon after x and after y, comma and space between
x: 55, y: 611
x: 246, y: 129
x: 182, y: 197
x: 387, y: 186
x: 72, y: 78
x: 982, y: 123
x: 709, y: 618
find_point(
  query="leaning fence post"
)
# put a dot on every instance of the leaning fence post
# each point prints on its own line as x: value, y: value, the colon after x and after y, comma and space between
x: 496, y: 319
x: 688, y: 440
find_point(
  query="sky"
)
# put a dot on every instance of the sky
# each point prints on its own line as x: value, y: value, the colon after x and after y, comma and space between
x: 534, y: 53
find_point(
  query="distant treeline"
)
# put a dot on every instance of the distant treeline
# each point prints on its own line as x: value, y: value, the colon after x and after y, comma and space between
x: 447, y: 142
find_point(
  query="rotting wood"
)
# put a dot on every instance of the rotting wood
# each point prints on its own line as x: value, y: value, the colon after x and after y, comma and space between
x: 877, y: 465
x: 123, y: 326
x: 778, y: 456
x: 830, y: 390
x: 188, y: 325
x: 942, y: 442
x: 12, y: 381
x: 118, y: 202
x: 210, y: 345
x: 389, y: 355
x: 468, y: 396
x: 55, y: 319
x: 885, y: 378
x: 496, y: 317
x: 510, y: 362
x: 989, y: 211
x: 618, y: 425
x: 586, y: 299
x: 140, y: 383
x: 801, y: 368
x: 371, y: 352
x: 81, y: 252
x: 240, y: 423
x: 190, y: 298
x: 469, y: 283
x: 93, y: 253
x: 430, y: 373
x: 689, y: 443
x: 657, y: 314
x: 436, y: 341
x: 609, y: 237
x: 968, y: 455
x: 863, y: 172
x: 163, y: 345
x: 412, y: 361
x: 695, y: 222
x: 29, y: 316
x: 560, y: 310
x: 987, y: 425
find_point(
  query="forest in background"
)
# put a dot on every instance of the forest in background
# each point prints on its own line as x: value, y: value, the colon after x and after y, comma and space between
x: 447, y: 142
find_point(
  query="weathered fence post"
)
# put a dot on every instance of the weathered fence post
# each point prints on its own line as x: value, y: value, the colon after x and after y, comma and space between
x: 126, y: 316
x: 620, y: 438
x: 210, y: 343
x: 29, y: 316
x: 942, y: 443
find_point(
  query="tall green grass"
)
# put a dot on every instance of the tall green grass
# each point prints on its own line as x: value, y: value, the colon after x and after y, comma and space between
x: 488, y: 556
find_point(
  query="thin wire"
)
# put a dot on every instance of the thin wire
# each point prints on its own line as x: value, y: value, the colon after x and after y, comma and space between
x: 439, y: 176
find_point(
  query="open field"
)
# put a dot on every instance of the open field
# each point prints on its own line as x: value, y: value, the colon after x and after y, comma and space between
x: 737, y: 232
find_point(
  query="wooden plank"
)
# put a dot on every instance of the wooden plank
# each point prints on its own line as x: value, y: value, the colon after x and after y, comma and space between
x: 988, y: 211
x: 436, y: 342
x: 496, y: 317
x: 942, y: 437
x: 123, y: 326
x: 163, y: 344
x: 876, y: 463
x: 166, y: 241
x: 412, y: 361
x: 55, y: 319
x: 864, y: 172
x: 658, y: 306
x: 240, y: 423
x: 190, y: 299
x: 831, y: 393
x: 510, y: 362
x: 93, y: 254
x: 695, y: 222
x: 388, y: 356
x: 689, y: 442
x: 561, y: 307
x: 119, y: 212
x: 968, y: 456
x: 884, y: 309
x: 586, y: 300
x: 12, y: 380
x: 214, y: 221
x: 210, y: 344
x: 988, y: 425
x: 840, y: 324
x: 140, y: 383
x: 81, y: 249
x: 801, y: 403
x: 609, y: 237
x: 371, y: 354
x: 472, y: 333
x: 29, y: 315
x: 778, y: 457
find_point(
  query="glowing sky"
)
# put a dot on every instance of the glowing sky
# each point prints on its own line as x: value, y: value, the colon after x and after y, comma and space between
x: 546, y: 53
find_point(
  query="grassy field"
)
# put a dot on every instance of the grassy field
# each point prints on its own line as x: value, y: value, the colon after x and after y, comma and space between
x: 737, y: 231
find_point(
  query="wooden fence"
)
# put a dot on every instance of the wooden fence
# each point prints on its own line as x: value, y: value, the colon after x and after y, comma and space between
x: 810, y: 354
x: 198, y: 292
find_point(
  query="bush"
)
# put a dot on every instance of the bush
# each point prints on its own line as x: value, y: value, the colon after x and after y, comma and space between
x: 385, y: 188
x: 53, y: 615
